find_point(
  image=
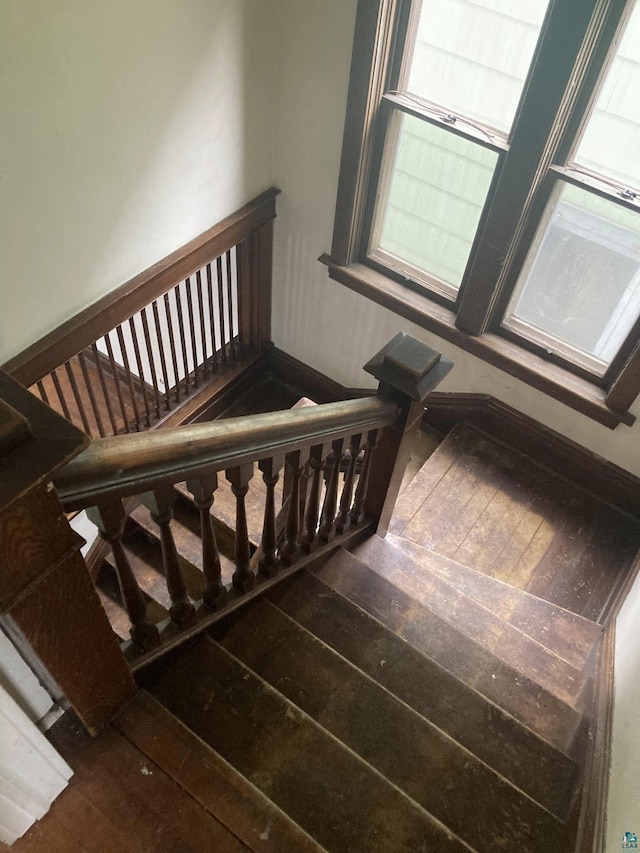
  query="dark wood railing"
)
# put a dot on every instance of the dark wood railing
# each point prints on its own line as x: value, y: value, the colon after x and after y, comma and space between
x: 342, y: 463
x: 127, y: 362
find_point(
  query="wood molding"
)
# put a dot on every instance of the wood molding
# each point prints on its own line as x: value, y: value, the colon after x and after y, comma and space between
x: 591, y: 836
x: 86, y: 327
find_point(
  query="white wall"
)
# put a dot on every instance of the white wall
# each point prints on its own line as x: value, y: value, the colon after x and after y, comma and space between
x: 127, y: 129
x: 321, y: 322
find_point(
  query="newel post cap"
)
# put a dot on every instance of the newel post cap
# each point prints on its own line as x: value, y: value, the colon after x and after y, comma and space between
x: 410, y: 366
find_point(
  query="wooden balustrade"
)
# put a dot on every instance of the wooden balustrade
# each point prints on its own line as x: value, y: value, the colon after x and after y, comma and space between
x: 127, y: 362
x: 358, y: 444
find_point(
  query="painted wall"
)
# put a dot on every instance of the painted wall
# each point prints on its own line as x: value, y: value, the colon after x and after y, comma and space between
x: 127, y: 129
x: 319, y: 321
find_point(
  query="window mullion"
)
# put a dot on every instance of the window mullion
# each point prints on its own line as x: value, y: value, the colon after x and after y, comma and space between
x: 531, y: 149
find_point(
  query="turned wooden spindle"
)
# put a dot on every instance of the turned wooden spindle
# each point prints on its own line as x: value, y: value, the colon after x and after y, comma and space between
x: 268, y: 564
x: 243, y: 577
x: 357, y: 510
x: 328, y: 525
x: 110, y: 519
x: 202, y: 491
x: 316, y: 463
x: 343, y: 520
x: 295, y: 463
x: 160, y: 504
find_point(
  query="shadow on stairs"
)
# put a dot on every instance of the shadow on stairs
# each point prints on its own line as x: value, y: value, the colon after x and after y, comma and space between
x: 432, y: 691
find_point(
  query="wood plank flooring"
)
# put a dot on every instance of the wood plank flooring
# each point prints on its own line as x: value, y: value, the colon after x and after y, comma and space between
x: 495, y: 510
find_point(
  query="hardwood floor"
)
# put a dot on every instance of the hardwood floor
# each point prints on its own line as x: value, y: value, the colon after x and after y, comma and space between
x: 493, y: 509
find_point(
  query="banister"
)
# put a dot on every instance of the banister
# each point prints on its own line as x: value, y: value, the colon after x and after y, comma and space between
x: 129, y: 464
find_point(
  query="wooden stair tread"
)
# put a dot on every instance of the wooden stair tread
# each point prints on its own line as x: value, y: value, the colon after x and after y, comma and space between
x: 147, y: 551
x: 327, y: 790
x: 498, y: 511
x: 550, y: 717
x: 209, y: 779
x: 109, y: 592
x: 504, y: 640
x: 485, y: 729
x: 567, y: 635
x: 427, y: 765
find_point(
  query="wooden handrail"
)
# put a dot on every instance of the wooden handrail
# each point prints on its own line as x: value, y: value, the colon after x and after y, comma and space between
x: 130, y: 464
x: 86, y: 327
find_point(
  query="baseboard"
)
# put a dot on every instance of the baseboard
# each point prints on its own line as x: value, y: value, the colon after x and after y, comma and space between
x: 563, y: 456
x: 591, y: 836
x: 309, y: 382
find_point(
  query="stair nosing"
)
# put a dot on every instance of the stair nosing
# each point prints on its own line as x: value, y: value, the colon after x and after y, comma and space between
x: 394, y: 698
x: 358, y: 758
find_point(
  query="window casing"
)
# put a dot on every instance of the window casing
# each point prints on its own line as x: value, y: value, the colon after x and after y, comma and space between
x: 469, y: 280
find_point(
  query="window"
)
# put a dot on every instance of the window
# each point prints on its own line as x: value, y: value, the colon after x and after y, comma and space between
x: 490, y: 185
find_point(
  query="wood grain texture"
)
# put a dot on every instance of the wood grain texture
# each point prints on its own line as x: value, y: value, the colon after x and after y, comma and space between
x: 210, y: 780
x: 64, y: 622
x: 480, y: 725
x: 497, y: 511
x: 406, y: 748
x: 333, y: 795
x: 549, y: 717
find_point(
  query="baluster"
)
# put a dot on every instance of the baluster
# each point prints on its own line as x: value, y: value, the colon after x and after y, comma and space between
x: 316, y: 462
x: 110, y: 519
x: 129, y: 375
x: 88, y: 384
x: 192, y: 333
x: 183, y: 337
x: 230, y: 305
x: 223, y: 314
x: 160, y: 504
x: 150, y: 353
x: 295, y: 463
x: 327, y: 528
x: 97, y: 357
x: 203, y: 331
x: 43, y: 392
x: 76, y: 394
x: 342, y: 522
x: 212, y: 319
x: 60, y: 393
x: 172, y: 346
x: 163, y: 357
x: 202, y: 491
x: 143, y: 383
x: 243, y: 577
x: 116, y: 378
x: 357, y: 510
x: 268, y: 564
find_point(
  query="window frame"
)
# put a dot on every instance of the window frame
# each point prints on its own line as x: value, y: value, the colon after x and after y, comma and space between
x: 565, y: 71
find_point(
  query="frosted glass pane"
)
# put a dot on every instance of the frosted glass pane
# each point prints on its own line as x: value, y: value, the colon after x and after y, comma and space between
x: 438, y: 186
x: 579, y: 292
x: 610, y: 145
x: 472, y: 56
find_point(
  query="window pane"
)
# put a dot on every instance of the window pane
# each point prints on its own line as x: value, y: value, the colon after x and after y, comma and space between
x: 579, y: 292
x: 437, y: 189
x: 610, y: 145
x: 472, y: 56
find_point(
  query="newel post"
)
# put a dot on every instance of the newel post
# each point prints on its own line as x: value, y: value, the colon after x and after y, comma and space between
x: 407, y: 370
x: 48, y: 603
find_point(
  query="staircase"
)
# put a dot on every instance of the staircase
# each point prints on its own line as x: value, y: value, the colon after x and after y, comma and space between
x: 389, y: 697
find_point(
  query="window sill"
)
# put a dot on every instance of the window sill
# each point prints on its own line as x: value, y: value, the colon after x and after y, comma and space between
x: 577, y: 393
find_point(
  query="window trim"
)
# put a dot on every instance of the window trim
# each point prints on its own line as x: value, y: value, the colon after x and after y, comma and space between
x: 473, y: 327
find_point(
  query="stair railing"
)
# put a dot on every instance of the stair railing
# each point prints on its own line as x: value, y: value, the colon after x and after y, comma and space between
x: 344, y: 463
x: 161, y: 340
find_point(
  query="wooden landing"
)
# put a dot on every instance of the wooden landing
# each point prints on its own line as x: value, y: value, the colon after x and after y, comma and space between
x: 497, y: 511
x: 146, y: 784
